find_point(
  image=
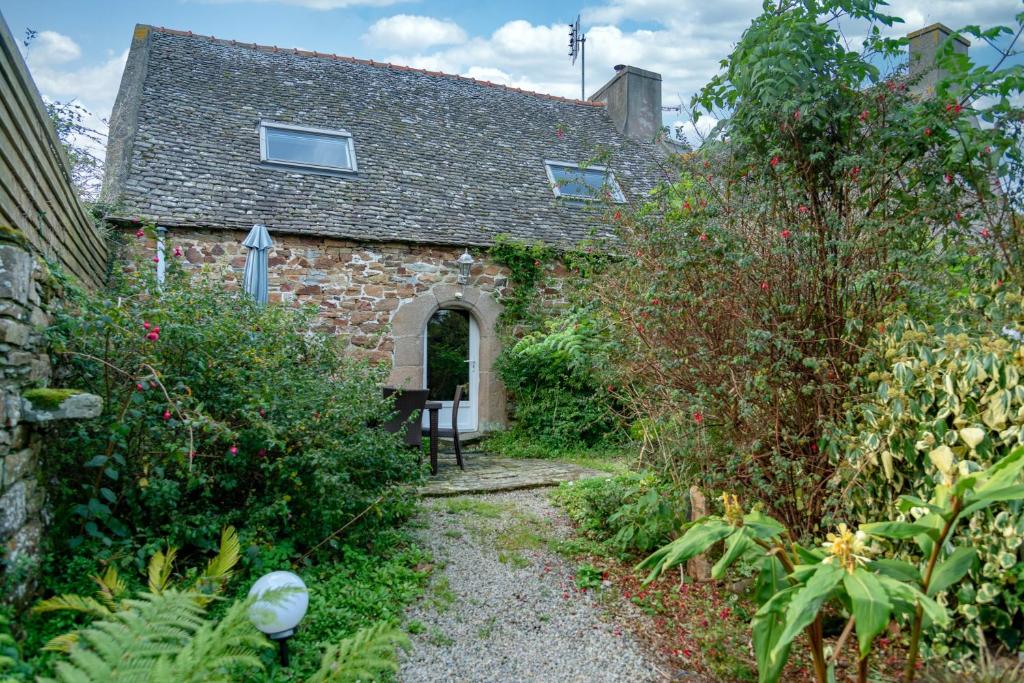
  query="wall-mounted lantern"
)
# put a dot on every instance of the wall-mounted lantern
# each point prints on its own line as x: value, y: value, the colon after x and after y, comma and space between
x: 465, y: 264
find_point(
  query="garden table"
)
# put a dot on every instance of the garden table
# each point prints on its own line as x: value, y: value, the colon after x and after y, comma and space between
x: 434, y: 407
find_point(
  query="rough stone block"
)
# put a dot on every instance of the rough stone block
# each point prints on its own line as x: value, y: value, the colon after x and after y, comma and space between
x: 55, y: 406
x: 13, y: 332
x: 15, y: 273
x: 15, y: 505
x: 18, y: 465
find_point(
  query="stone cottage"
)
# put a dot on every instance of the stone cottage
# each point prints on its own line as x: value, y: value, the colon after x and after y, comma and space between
x: 374, y: 180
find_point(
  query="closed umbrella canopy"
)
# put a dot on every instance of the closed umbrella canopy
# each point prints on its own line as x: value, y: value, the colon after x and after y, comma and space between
x: 255, y: 279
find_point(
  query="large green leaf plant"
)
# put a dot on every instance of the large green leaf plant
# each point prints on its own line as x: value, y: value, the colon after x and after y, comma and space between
x: 854, y: 572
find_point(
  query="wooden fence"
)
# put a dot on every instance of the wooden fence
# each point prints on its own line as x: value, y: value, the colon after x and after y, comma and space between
x: 36, y: 193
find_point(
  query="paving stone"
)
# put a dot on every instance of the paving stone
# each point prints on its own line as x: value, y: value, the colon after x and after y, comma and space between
x: 486, y: 473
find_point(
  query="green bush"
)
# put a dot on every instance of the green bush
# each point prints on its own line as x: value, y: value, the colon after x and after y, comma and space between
x: 932, y: 390
x: 553, y: 378
x: 629, y: 514
x: 217, y: 412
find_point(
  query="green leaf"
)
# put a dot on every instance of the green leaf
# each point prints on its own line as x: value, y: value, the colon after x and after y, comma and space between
x: 698, y: 538
x: 1002, y: 474
x: 980, y: 501
x: 951, y: 570
x: 771, y: 578
x: 871, y: 606
x: 898, y: 530
x: 909, y: 597
x: 766, y: 627
x: 762, y: 526
x: 735, y: 545
x: 806, y: 603
x: 896, y: 569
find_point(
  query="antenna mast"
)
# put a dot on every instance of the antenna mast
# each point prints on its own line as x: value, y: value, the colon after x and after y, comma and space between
x: 578, y: 47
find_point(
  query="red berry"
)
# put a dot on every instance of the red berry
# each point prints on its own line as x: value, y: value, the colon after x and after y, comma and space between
x: 152, y: 336
x: 140, y: 233
x: 156, y: 259
x: 785, y: 234
x: 233, y: 450
x: 145, y: 325
x: 774, y: 162
x: 167, y: 415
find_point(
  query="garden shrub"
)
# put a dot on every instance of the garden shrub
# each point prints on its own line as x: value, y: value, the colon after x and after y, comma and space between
x: 829, y: 197
x: 217, y: 412
x: 553, y: 377
x: 934, y: 386
x: 629, y: 514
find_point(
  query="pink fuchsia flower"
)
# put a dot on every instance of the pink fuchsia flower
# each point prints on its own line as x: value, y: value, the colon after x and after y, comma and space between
x: 145, y: 325
x: 140, y: 233
x: 703, y: 237
x: 618, y: 216
x: 803, y: 209
x: 786, y: 234
x: 948, y: 178
x: 233, y: 450
x: 156, y: 259
x: 698, y: 417
x: 764, y: 287
x: 864, y: 116
x: 167, y: 415
x: 959, y: 216
x: 156, y: 329
x: 774, y: 162
x: 610, y: 388
x: 854, y: 172
x: 139, y: 387
x: 177, y: 251
x: 686, y: 205
x: 985, y: 233
x: 796, y: 115
x: 152, y: 336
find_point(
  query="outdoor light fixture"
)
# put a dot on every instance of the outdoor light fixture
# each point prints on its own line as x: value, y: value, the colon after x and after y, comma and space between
x: 279, y: 613
x: 465, y: 263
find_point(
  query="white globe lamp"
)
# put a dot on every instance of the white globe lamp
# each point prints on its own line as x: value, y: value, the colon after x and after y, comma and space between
x: 279, y: 613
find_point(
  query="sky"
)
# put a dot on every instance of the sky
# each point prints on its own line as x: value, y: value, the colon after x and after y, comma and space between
x: 81, y: 45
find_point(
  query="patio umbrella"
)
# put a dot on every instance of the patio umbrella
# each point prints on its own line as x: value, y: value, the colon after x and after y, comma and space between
x: 255, y: 279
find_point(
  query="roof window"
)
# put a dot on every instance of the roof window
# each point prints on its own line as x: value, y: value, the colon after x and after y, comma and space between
x: 313, y: 148
x: 582, y: 183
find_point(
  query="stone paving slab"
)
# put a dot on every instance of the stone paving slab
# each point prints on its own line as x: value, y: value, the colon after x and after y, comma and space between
x: 486, y: 473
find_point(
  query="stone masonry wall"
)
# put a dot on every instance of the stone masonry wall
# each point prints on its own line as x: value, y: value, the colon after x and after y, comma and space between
x: 358, y: 287
x: 26, y: 300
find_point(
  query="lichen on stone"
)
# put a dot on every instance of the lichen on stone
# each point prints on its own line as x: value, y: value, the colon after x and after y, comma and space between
x: 11, y: 235
x: 47, y: 398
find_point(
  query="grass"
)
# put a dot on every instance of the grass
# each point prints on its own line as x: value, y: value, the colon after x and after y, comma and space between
x: 614, y: 459
x: 441, y: 595
x: 473, y: 506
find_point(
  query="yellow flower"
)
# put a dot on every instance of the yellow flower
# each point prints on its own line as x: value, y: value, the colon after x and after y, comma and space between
x: 733, y: 509
x: 847, y: 548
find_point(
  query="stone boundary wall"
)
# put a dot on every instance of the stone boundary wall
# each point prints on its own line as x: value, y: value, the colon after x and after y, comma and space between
x: 28, y: 298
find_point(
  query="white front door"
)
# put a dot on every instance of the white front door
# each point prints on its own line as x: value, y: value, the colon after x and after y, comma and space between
x: 451, y: 350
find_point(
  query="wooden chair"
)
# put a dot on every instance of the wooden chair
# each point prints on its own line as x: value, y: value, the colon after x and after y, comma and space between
x: 407, y: 402
x: 453, y: 433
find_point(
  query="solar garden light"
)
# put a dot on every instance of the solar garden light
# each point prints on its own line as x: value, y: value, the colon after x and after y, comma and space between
x: 465, y: 263
x: 279, y: 614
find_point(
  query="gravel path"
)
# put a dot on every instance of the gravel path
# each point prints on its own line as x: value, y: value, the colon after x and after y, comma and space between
x: 503, y: 606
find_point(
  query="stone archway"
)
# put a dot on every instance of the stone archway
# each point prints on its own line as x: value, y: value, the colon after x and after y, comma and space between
x: 409, y: 326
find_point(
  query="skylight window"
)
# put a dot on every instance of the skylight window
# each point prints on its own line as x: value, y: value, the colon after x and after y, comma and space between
x: 582, y: 183
x: 313, y: 148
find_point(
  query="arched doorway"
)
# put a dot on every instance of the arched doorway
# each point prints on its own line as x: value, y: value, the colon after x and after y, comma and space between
x: 451, y: 354
x: 409, y: 329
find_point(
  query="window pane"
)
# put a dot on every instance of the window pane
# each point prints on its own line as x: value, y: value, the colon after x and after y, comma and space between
x: 447, y: 354
x: 576, y: 182
x: 307, y: 148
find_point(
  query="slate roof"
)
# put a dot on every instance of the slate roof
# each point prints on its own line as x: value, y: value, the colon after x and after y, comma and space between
x: 442, y: 159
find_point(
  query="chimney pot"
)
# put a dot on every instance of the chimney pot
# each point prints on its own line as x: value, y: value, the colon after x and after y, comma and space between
x: 619, y: 67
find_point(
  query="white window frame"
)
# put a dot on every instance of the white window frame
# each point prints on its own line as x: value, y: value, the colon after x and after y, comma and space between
x: 617, y: 196
x: 337, y: 133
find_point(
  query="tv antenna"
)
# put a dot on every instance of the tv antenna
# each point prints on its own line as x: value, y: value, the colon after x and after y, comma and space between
x: 577, y: 48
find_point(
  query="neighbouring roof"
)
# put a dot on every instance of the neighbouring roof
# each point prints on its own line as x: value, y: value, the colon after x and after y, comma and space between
x: 442, y: 159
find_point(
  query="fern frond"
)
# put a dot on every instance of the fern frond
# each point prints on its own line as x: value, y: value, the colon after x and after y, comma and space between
x: 160, y: 566
x: 219, y: 569
x: 218, y: 652
x: 112, y: 587
x: 361, y: 657
x: 72, y: 603
x: 62, y: 643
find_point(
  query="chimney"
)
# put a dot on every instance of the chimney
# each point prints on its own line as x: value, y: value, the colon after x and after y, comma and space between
x: 633, y: 99
x: 924, y: 50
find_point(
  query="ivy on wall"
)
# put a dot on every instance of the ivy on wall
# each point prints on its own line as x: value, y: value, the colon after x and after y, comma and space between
x: 525, y: 261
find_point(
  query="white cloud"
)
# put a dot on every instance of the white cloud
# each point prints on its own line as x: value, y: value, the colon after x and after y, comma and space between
x: 50, y: 47
x: 408, y: 31
x: 322, y: 5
